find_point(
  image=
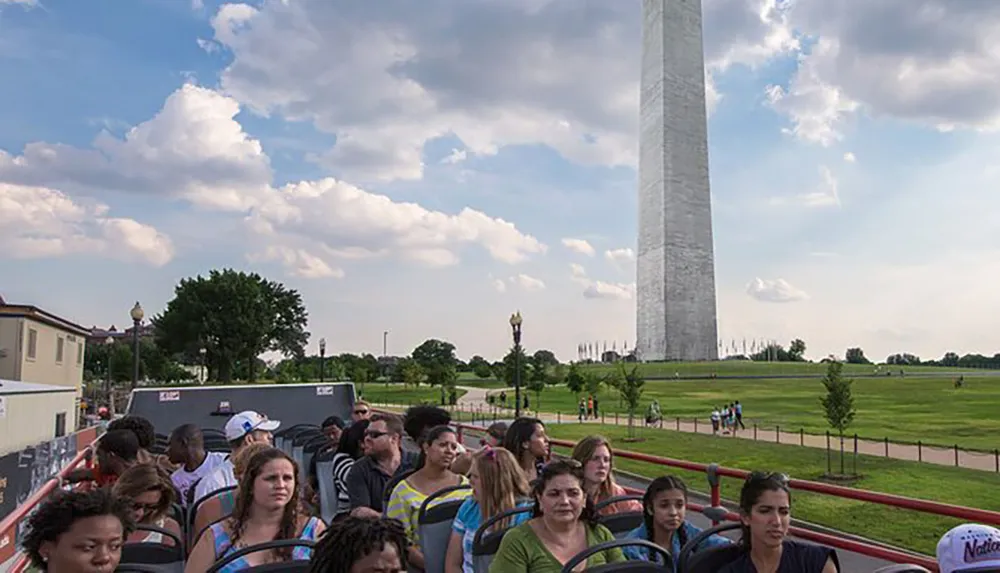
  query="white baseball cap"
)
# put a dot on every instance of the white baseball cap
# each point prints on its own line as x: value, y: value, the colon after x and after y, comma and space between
x: 969, y: 547
x: 247, y: 421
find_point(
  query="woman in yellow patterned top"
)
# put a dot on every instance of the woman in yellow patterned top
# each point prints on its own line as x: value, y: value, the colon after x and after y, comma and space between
x: 438, y: 449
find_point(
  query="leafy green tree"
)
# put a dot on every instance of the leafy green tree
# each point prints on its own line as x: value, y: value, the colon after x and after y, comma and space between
x: 593, y: 383
x: 480, y: 367
x: 576, y: 382
x: 838, y: 404
x: 410, y: 372
x: 438, y: 361
x: 544, y: 358
x: 856, y: 356
x: 511, y: 364
x: 235, y: 316
x: 630, y: 387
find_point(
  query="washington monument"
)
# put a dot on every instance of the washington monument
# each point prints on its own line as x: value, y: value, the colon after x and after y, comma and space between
x: 676, y: 316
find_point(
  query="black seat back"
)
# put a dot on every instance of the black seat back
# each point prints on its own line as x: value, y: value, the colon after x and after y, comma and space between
x: 288, y: 566
x: 485, y: 545
x: 902, y: 568
x: 709, y: 560
x: 434, y: 521
x: 631, y: 566
x: 619, y: 523
x: 153, y: 553
x: 193, y: 510
x: 391, y: 485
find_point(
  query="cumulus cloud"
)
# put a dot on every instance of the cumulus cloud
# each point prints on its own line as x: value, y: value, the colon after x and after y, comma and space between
x: 623, y: 255
x: 849, y: 157
x: 594, y: 289
x: 527, y: 283
x: 387, y: 77
x: 37, y: 222
x: 930, y: 62
x: 825, y: 195
x: 195, y: 150
x: 580, y: 246
x: 776, y: 290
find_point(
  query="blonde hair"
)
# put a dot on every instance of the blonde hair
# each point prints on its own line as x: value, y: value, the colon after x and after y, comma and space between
x: 242, y: 457
x: 502, y: 483
x: 584, y: 450
x: 142, y: 478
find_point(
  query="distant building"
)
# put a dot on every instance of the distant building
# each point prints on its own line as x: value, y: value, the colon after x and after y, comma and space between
x: 99, y: 335
x: 34, y: 413
x: 41, y: 348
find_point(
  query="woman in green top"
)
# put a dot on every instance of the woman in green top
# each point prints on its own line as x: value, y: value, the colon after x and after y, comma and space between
x: 561, y: 527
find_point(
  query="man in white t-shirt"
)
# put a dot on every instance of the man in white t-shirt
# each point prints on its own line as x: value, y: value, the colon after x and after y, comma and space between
x: 245, y: 428
x: 186, y: 448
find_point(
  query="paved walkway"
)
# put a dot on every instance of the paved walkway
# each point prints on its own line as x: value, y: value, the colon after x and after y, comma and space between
x: 475, y: 401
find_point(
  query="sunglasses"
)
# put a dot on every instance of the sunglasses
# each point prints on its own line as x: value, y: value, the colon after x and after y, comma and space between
x: 375, y: 434
x: 146, y: 507
x: 361, y: 412
x: 768, y: 476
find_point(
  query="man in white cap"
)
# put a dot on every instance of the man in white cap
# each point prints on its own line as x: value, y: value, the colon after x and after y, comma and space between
x: 243, y: 429
x: 970, y: 548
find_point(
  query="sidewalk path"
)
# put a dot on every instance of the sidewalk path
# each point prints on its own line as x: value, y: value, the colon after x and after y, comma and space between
x: 475, y: 400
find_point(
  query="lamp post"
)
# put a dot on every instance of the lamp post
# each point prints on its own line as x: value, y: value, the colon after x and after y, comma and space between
x: 515, y: 326
x: 322, y: 360
x: 137, y: 315
x: 204, y: 367
x: 107, y: 381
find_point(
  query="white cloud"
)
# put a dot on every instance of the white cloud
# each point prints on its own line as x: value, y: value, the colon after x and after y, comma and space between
x: 456, y: 156
x: 826, y: 195
x: 195, y: 150
x: 580, y: 246
x: 777, y: 290
x: 622, y: 255
x: 37, y: 222
x: 388, y: 78
x: 498, y: 284
x: 577, y: 270
x: 601, y: 289
x: 527, y: 283
x: 849, y: 157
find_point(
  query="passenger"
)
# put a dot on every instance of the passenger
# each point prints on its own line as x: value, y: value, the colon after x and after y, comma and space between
x: 494, y: 435
x: 186, y: 449
x: 562, y: 526
x: 438, y: 450
x: 218, y: 506
x: 242, y: 429
x: 351, y: 449
x: 362, y: 411
x: 594, y: 453
x: 332, y: 428
x: 384, y: 460
x: 765, y: 510
x: 146, y: 434
x: 526, y: 439
x: 267, y: 509
x: 149, y: 489
x: 117, y: 450
x: 361, y: 545
x: 664, y: 511
x: 79, y: 531
x: 498, y: 485
x: 969, y: 547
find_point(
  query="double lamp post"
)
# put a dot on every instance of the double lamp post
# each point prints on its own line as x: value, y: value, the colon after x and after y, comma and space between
x: 515, y: 326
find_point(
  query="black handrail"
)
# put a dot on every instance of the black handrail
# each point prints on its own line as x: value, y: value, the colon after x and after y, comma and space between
x: 613, y: 500
x: 685, y: 554
x: 259, y: 547
x: 439, y: 493
x: 586, y: 553
x: 477, y: 540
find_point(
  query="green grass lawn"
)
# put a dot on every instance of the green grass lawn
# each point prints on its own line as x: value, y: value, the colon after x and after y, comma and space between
x: 747, y: 368
x: 909, y: 529
x: 902, y: 409
x: 397, y: 394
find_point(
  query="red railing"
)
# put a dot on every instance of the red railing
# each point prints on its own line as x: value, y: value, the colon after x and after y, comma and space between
x: 854, y: 546
x: 8, y: 526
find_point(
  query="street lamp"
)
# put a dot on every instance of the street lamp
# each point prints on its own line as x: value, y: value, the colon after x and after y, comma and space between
x: 107, y: 381
x: 204, y: 371
x: 515, y: 326
x: 322, y: 360
x: 137, y: 315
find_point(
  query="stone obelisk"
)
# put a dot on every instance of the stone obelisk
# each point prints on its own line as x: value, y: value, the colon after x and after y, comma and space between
x: 676, y: 313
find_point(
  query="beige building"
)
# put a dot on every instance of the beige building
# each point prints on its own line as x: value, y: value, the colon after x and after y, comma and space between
x: 34, y: 413
x: 41, y: 348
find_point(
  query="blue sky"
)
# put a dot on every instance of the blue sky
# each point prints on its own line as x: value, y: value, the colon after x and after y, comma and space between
x: 430, y: 171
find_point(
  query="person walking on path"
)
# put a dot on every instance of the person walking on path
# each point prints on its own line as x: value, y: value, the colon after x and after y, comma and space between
x: 739, y: 415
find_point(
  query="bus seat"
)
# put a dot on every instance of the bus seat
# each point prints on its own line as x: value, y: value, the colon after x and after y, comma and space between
x: 485, y: 545
x: 434, y: 522
x: 629, y: 566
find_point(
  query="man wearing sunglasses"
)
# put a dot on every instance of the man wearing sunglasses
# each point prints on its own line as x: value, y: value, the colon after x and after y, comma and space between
x: 362, y: 411
x: 385, y: 459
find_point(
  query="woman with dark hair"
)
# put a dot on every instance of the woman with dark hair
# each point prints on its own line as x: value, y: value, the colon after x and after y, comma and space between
x: 562, y: 526
x: 438, y: 449
x: 361, y: 545
x: 526, y: 439
x: 765, y: 513
x: 664, y: 508
x: 78, y: 532
x: 267, y: 509
x: 152, y: 493
x: 350, y: 448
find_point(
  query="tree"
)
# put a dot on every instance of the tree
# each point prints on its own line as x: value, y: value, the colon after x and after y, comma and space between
x: 512, y: 365
x: 408, y: 373
x: 856, y: 356
x: 838, y: 404
x: 438, y: 361
x: 593, y: 382
x: 630, y: 387
x: 545, y: 358
x: 576, y: 382
x: 796, y: 350
x: 480, y: 367
x: 235, y: 316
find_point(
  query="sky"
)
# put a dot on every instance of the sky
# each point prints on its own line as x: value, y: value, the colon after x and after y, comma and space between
x: 427, y: 168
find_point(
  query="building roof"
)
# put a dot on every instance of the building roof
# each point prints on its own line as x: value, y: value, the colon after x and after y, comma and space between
x: 39, y: 315
x: 8, y: 387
